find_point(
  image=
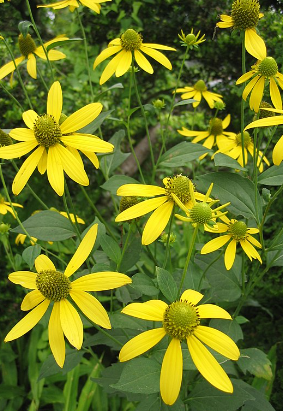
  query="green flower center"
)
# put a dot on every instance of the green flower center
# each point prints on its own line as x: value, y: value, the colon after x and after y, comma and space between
x: 245, y: 14
x: 180, y: 186
x: 47, y: 131
x: 54, y: 285
x: 190, y: 39
x: 238, y: 230
x: 265, y: 113
x: 26, y: 45
x: 127, y: 202
x: 180, y: 319
x: 200, y: 86
x: 5, y: 139
x: 131, y: 40
x: 247, y: 139
x: 268, y: 67
x: 215, y: 126
x: 201, y: 213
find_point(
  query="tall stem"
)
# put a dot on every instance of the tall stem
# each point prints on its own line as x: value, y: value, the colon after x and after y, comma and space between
x: 191, y: 248
x: 242, y: 100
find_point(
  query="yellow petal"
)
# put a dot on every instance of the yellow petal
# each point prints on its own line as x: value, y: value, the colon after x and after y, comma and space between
x: 101, y: 281
x: 245, y: 77
x: 250, y: 250
x: 171, y: 372
x: 143, y: 62
x: 277, y: 155
x: 230, y: 254
x: 24, y: 278
x: 71, y: 324
x: 152, y: 310
x: 28, y: 322
x: 141, y: 343
x: 31, y: 66
x: 157, y: 222
x: 140, y: 190
x: 213, y: 311
x: 55, y: 171
x: 31, y: 300
x: 110, y: 69
x: 253, y: 241
x: 226, y: 121
x: 10, y: 67
x: 124, y: 64
x: 263, y: 122
x: 191, y: 296
x: 208, y: 366
x: 254, y: 44
x: 158, y: 46
x: 156, y: 55
x: 215, y: 244
x: 42, y: 164
x: 105, y: 54
x: 42, y: 263
x: 141, y: 208
x: 91, y: 308
x: 92, y: 157
x: 17, y: 150
x: 29, y: 118
x: 81, y: 118
x: 275, y: 94
x: 55, y: 101
x: 56, y: 336
x: 82, y: 142
x: 24, y: 134
x: 256, y: 95
x: 73, y: 168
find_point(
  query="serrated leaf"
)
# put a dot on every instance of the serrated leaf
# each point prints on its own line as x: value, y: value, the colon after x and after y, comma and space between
x: 221, y: 160
x: 273, y: 176
x: 182, y: 154
x: 30, y: 254
x: 255, y: 362
x: 259, y: 403
x: 166, y: 284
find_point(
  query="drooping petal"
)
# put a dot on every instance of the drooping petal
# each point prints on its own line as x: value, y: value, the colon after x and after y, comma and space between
x: 263, y: 122
x: 230, y: 254
x: 253, y: 241
x: 28, y: 322
x: 171, y: 372
x: 55, y: 101
x: 110, y: 69
x: 140, y: 190
x: 158, y: 46
x: 19, y: 149
x: 56, y: 336
x: 226, y: 121
x: 42, y: 164
x: 42, y: 263
x: 158, y: 56
x: 277, y: 154
x: 250, y: 86
x: 245, y: 77
x: 208, y: 366
x: 29, y: 117
x: 92, y: 157
x: 256, y: 95
x: 191, y: 296
x: 143, y: 62
x: 81, y: 118
x: 105, y: 54
x: 275, y: 94
x: 86, y: 143
x: 31, y: 300
x: 10, y: 67
x: 83, y: 251
x: 55, y: 171
x: 72, y: 167
x: 152, y: 310
x: 157, y: 222
x: 101, y: 281
x: 254, y: 44
x: 31, y: 65
x: 141, y: 208
x: 141, y: 343
x: 71, y: 324
x: 125, y: 63
x: 215, y: 244
x: 24, y: 278
x: 213, y: 311
x: 250, y: 250
x: 91, y: 307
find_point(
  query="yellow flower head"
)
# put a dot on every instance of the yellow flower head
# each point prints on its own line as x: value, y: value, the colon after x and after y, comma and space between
x: 198, y: 91
x: 175, y: 188
x: 130, y: 45
x: 50, y: 285
x: 191, y: 39
x: 237, y: 232
x: 5, y: 206
x: 181, y: 322
x: 29, y: 50
x: 73, y: 4
x: 56, y: 143
x: 244, y: 16
x: 264, y: 71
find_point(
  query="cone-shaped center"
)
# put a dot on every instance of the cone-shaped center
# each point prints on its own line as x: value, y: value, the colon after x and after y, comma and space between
x: 127, y: 202
x: 190, y: 39
x: 247, y: 139
x: 216, y: 127
x: 201, y: 213
x: 200, y: 86
x: 180, y: 319
x: 265, y: 113
x: 238, y: 230
x: 26, y: 45
x: 5, y: 139
x: 180, y: 186
x: 268, y: 67
x: 54, y: 285
x: 245, y: 14
x: 131, y: 40
x: 47, y: 131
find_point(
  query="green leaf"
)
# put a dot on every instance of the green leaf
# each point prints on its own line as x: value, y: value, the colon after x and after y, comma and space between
x: 47, y: 226
x: 183, y: 102
x: 140, y: 376
x: 221, y: 160
x: 273, y: 176
x: 95, y: 124
x: 111, y: 248
x: 52, y: 394
x: 117, y: 181
x: 256, y: 362
x: 50, y: 367
x: 30, y: 254
x: 233, y: 188
x: 149, y: 403
x: 127, y: 293
x: 182, y: 154
x: 132, y: 254
x: 110, y: 376
x: 144, y: 284
x: 166, y: 284
x: 260, y: 383
x: 115, y: 159
x: 229, y: 327
x: 120, y: 320
x: 60, y: 43
x: 24, y: 27
x: 259, y: 403
x: 10, y: 391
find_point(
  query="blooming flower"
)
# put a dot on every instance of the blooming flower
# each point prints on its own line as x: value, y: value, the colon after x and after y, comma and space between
x: 237, y: 232
x: 73, y: 4
x: 232, y: 147
x: 244, y: 17
x: 263, y: 71
x: 57, y: 143
x: 50, y: 285
x: 130, y: 45
x: 28, y: 49
x: 176, y: 187
x: 191, y: 40
x: 214, y: 134
x: 198, y: 91
x: 181, y: 321
x: 5, y: 206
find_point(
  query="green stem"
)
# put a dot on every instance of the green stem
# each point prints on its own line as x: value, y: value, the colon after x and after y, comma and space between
x: 168, y: 238
x: 8, y: 251
x: 125, y: 246
x: 12, y: 97
x: 242, y: 100
x: 208, y: 267
x: 146, y: 247
x: 191, y: 248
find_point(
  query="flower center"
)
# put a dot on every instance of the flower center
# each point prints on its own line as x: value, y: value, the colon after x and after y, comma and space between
x: 247, y: 139
x: 180, y: 319
x: 190, y: 39
x: 200, y: 86
x: 180, y: 186
x: 131, y: 40
x: 5, y: 139
x: 245, y: 14
x: 215, y: 125
x: 201, y: 213
x: 127, y: 202
x: 26, y: 45
x: 47, y: 131
x: 238, y: 230
x: 268, y: 67
x: 54, y: 285
x: 265, y: 113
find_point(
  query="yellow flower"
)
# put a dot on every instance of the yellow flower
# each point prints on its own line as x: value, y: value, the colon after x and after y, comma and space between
x: 73, y: 4
x: 214, y: 134
x: 175, y: 188
x: 244, y: 17
x: 57, y: 143
x: 198, y: 91
x: 29, y: 50
x: 50, y: 285
x: 2, y: 1
x: 20, y: 239
x: 238, y: 232
x: 232, y: 147
x: 5, y: 206
x: 130, y: 45
x: 263, y: 71
x: 191, y: 40
x: 181, y: 321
